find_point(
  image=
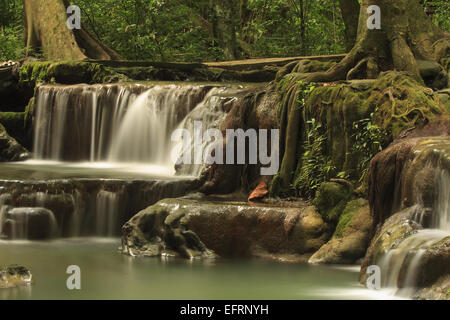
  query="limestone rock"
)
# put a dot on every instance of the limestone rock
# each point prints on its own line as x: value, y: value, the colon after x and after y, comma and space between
x: 196, y: 227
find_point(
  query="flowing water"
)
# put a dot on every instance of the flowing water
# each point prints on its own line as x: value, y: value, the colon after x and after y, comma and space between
x: 407, y: 256
x: 104, y: 152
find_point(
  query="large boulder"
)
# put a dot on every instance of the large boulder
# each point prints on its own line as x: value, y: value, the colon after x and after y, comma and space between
x: 404, y: 174
x: 194, y: 227
x: 351, y: 238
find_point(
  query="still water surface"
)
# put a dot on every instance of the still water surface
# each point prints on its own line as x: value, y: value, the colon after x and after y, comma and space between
x: 107, y: 274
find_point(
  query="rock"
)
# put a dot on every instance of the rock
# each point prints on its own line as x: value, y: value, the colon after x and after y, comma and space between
x: 400, y: 232
x: 29, y: 223
x: 196, y: 228
x: 77, y: 203
x: 438, y: 291
x: 14, y: 276
x: 331, y: 198
x: 10, y: 149
x: 403, y: 174
x: 351, y: 238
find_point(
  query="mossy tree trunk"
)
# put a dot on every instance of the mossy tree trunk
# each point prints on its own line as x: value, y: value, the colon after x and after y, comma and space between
x: 406, y: 35
x: 46, y: 31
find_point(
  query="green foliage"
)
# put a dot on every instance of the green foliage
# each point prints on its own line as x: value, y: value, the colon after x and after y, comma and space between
x: 11, y: 30
x: 368, y: 139
x: 316, y: 166
x: 440, y: 10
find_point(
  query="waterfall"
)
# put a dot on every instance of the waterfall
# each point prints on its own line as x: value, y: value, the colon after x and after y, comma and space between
x: 107, y: 213
x: 405, y: 259
x: 122, y: 129
x: 111, y: 123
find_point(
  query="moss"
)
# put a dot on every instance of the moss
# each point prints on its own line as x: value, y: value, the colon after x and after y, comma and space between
x: 331, y: 198
x: 347, y: 216
x: 66, y: 73
x: 309, y: 66
x: 396, y: 100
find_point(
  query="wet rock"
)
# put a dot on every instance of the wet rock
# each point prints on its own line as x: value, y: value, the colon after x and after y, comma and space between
x: 85, y: 207
x: 29, y: 223
x: 438, y: 291
x: 403, y: 175
x: 351, y: 238
x: 396, y: 233
x: 15, y: 276
x: 191, y: 227
x: 10, y: 149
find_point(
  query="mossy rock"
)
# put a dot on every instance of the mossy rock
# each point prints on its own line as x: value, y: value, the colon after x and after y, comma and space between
x: 66, y: 73
x: 331, y: 198
x: 347, y: 216
x: 394, y: 103
x: 351, y: 238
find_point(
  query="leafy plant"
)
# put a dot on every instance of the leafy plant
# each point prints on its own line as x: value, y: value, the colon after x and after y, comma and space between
x: 368, y: 139
x: 316, y: 166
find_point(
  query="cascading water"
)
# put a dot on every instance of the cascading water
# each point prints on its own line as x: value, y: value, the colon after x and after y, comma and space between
x: 118, y: 131
x: 404, y: 261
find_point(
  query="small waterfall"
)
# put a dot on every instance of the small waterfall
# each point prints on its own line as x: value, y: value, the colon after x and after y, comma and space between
x: 28, y: 223
x: 402, y: 263
x: 442, y: 219
x: 111, y: 123
x: 107, y: 213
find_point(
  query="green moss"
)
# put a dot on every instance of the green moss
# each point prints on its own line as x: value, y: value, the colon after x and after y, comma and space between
x: 347, y: 216
x: 396, y: 100
x: 331, y: 198
x: 68, y: 72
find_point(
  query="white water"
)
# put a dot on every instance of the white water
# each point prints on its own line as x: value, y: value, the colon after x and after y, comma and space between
x: 407, y: 256
x: 122, y: 125
x: 114, y: 131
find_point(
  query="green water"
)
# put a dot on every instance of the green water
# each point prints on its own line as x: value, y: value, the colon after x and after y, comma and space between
x: 107, y: 274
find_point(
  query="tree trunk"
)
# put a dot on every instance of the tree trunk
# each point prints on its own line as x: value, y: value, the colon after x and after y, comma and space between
x: 350, y: 11
x: 406, y: 35
x: 46, y: 32
x: 224, y: 26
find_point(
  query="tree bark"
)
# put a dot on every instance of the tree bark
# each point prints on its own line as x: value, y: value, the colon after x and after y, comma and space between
x: 406, y: 35
x: 350, y: 11
x: 224, y: 26
x: 46, y: 32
